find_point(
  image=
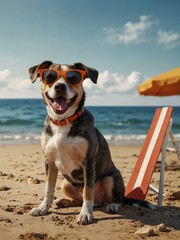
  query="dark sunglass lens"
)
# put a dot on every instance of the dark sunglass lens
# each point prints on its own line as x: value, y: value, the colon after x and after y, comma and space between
x: 49, y: 76
x: 73, y: 77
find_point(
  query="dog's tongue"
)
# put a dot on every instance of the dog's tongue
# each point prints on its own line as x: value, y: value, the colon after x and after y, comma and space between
x: 59, y: 103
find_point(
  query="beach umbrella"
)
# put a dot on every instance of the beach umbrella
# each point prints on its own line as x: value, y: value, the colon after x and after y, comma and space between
x: 165, y: 84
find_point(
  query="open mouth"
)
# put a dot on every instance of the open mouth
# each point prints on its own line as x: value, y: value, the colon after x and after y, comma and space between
x: 61, y: 104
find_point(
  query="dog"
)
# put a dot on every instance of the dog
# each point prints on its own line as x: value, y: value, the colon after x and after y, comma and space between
x: 72, y: 144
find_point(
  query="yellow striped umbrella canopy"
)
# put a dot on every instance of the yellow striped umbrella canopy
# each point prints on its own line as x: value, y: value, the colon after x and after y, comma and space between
x: 165, y: 84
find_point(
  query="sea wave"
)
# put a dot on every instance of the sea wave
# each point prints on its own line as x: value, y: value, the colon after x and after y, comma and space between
x: 134, y: 139
x: 111, y: 139
x: 125, y: 139
x: 19, y: 139
x: 15, y: 122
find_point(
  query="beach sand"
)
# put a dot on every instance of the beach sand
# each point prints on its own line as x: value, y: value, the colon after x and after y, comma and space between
x: 22, y: 182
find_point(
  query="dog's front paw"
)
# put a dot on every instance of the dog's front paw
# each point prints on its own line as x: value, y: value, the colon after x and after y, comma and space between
x: 39, y: 211
x: 84, y: 218
x: 113, y: 208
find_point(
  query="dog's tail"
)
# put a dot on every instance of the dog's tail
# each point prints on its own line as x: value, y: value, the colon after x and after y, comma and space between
x: 138, y: 203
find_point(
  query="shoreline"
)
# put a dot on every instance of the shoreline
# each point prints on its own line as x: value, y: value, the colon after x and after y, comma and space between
x: 22, y: 182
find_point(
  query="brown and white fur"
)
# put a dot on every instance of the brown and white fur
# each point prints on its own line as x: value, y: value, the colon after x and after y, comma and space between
x: 77, y: 149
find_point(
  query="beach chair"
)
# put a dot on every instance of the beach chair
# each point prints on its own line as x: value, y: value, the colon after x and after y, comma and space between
x: 155, y: 142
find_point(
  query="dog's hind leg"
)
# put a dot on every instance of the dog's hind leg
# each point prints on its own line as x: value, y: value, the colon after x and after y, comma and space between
x: 74, y: 194
x: 110, y: 192
x: 43, y: 208
x: 118, y: 190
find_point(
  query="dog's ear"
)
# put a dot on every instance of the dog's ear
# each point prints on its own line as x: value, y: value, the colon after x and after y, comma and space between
x: 33, y: 70
x: 91, y: 72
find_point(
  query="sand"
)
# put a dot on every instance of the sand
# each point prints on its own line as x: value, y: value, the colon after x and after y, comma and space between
x: 22, y: 181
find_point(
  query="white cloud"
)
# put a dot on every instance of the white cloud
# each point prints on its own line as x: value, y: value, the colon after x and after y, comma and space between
x: 4, y: 74
x: 108, y: 83
x: 111, y: 89
x: 113, y: 83
x: 137, y: 32
x: 131, y: 32
x: 168, y: 39
x: 19, y: 84
x: 14, y: 86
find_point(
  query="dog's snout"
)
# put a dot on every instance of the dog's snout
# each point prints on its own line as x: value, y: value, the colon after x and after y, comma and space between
x: 60, y: 87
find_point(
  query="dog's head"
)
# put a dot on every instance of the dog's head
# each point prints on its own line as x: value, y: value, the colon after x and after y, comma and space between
x: 61, y: 86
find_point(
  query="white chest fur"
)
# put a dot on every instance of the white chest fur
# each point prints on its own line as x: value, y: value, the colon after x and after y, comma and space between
x: 66, y: 152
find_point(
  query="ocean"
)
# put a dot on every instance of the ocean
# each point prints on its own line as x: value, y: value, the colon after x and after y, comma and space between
x: 21, y: 121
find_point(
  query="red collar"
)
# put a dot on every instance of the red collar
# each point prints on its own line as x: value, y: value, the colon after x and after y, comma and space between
x: 67, y: 120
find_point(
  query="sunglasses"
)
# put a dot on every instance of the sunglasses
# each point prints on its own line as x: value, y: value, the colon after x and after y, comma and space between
x: 71, y: 76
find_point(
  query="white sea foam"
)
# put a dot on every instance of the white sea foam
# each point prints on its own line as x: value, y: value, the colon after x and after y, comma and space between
x: 18, y: 138
x: 132, y: 139
x: 125, y: 139
x: 111, y: 139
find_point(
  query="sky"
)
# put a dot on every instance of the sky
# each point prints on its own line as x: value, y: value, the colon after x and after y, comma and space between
x: 127, y: 41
